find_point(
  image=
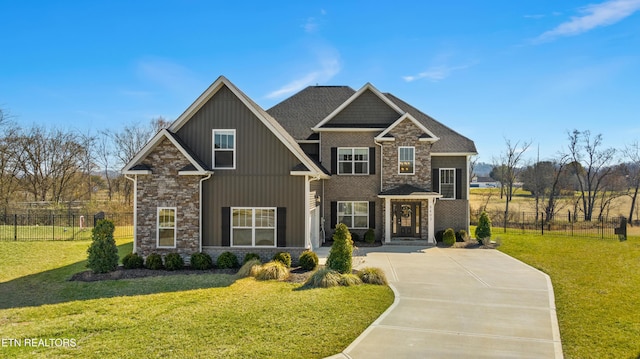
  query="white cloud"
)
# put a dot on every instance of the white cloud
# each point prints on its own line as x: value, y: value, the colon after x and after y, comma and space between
x: 310, y: 25
x: 435, y: 73
x: 593, y: 16
x: 327, y: 66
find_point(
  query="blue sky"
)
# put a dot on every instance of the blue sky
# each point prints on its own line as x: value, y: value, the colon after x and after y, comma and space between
x: 521, y: 70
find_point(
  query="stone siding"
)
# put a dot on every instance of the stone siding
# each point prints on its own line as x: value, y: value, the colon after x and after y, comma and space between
x: 165, y: 188
x: 406, y: 133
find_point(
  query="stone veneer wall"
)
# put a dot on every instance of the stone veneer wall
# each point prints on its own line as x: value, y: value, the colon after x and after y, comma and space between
x: 266, y: 254
x: 165, y: 188
x: 406, y: 134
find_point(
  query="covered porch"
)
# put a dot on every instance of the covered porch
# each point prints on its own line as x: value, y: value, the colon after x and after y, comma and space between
x: 409, y: 213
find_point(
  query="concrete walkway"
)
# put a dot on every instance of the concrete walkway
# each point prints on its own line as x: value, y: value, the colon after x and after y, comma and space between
x: 458, y: 303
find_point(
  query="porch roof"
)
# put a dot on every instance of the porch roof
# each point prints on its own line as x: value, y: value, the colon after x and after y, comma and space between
x: 408, y: 191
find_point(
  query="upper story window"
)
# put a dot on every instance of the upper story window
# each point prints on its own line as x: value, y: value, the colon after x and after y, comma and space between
x: 406, y: 160
x: 224, y: 149
x: 353, y: 161
x: 448, y: 183
x: 166, y: 227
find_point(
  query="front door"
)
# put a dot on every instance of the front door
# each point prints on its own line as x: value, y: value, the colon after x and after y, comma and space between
x: 406, y: 216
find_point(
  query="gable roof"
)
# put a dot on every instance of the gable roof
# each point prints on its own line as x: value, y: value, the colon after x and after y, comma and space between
x: 367, y: 87
x: 266, y: 119
x: 196, y: 166
x: 427, y: 136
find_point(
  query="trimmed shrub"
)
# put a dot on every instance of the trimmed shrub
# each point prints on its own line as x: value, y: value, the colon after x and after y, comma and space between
x: 173, y: 261
x: 133, y: 261
x: 250, y: 256
x: 227, y: 260
x: 371, y: 275
x: 274, y: 270
x: 370, y: 236
x: 283, y: 257
x: 251, y: 268
x: 103, y: 253
x: 355, y: 237
x: 324, y: 278
x: 339, y: 258
x: 449, y: 237
x: 201, y: 261
x: 308, y: 260
x: 439, y: 236
x: 483, y: 230
x: 348, y: 280
x: 461, y: 236
x: 154, y: 261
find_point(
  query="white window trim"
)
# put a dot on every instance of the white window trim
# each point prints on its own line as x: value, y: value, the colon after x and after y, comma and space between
x: 254, y: 227
x: 414, y: 161
x: 454, y: 183
x: 213, y: 148
x: 353, y: 162
x: 158, y: 228
x: 353, y: 205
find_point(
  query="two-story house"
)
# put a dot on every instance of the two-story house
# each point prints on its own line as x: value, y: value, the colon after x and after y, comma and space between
x: 227, y: 175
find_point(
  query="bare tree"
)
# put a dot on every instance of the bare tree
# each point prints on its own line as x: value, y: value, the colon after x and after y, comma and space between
x: 595, y: 167
x: 632, y: 154
x: 103, y: 155
x: 509, y: 162
x: 9, y: 152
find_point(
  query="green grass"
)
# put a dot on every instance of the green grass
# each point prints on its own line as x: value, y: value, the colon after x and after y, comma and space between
x: 183, y: 316
x: 597, y: 290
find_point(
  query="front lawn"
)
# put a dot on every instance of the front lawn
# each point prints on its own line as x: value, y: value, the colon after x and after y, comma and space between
x: 597, y: 290
x: 207, y: 315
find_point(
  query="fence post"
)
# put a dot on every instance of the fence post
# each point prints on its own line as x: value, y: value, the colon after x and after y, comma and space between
x: 73, y: 227
x: 542, y: 225
x: 15, y: 227
x: 53, y: 227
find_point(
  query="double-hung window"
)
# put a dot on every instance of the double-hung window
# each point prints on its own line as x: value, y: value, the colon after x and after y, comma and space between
x: 166, y: 227
x: 448, y: 183
x: 354, y: 214
x: 352, y: 161
x: 406, y: 160
x: 253, y: 227
x: 224, y: 149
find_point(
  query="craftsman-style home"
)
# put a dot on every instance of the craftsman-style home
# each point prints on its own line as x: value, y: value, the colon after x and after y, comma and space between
x: 230, y: 176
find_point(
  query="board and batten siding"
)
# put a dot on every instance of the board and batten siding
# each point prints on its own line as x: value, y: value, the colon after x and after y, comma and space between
x: 263, y: 164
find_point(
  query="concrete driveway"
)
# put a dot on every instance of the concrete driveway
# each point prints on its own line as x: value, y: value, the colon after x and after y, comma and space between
x: 459, y: 303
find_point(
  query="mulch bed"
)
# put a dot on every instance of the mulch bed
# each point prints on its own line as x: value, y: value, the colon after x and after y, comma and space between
x: 298, y: 275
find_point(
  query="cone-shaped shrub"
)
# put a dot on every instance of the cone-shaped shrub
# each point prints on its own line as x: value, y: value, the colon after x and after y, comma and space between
x: 483, y: 230
x: 103, y: 253
x: 339, y: 258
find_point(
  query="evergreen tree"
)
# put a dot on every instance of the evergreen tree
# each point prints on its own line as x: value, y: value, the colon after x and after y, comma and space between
x: 103, y: 253
x: 483, y: 230
x: 339, y: 258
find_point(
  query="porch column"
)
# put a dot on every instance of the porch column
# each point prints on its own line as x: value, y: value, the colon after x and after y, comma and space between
x: 387, y: 220
x: 430, y: 211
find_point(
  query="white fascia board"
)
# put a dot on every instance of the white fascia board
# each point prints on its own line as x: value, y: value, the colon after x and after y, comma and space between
x: 451, y: 154
x: 194, y: 173
x: 136, y: 172
x: 407, y: 116
x: 411, y: 196
x: 367, y: 86
x: 164, y: 133
x: 309, y: 173
x: 346, y: 129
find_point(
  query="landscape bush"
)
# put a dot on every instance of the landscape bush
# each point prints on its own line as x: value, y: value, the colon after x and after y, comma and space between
x: 461, y: 236
x: 439, y: 236
x: 323, y: 278
x: 370, y: 236
x: 250, y: 256
x: 355, y: 237
x: 251, y: 268
x: 284, y: 258
x: 133, y: 261
x: 483, y: 230
x: 173, y: 261
x: 371, y: 275
x: 274, y: 270
x: 227, y: 260
x: 154, y: 261
x: 349, y: 279
x: 308, y: 260
x: 339, y: 258
x: 201, y: 261
x: 449, y: 237
x: 103, y: 253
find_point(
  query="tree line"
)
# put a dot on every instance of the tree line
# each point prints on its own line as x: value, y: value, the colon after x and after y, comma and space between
x: 598, y: 174
x: 39, y: 164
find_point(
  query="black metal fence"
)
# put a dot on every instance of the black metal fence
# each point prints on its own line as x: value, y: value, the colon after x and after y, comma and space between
x: 569, y: 224
x: 40, y: 226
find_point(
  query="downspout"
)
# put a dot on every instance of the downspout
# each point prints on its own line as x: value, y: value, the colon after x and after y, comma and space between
x: 200, y: 213
x: 135, y: 209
